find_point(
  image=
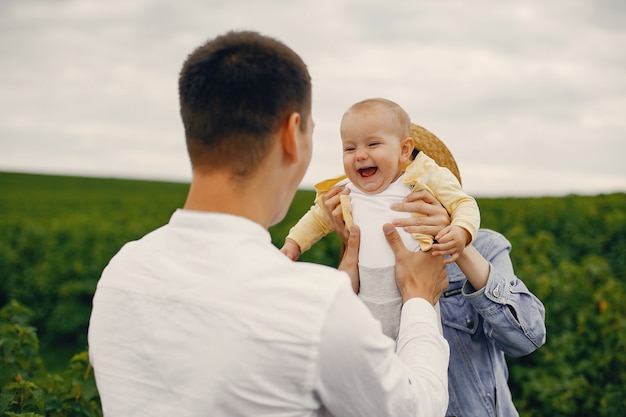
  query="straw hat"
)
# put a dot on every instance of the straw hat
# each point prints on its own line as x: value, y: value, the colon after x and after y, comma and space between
x: 430, y: 144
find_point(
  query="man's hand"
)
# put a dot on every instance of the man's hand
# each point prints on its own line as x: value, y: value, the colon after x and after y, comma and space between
x: 332, y: 204
x: 418, y: 274
x: 432, y: 220
x: 350, y: 259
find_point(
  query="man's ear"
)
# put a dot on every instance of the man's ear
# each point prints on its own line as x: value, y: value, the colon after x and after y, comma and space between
x: 407, y: 145
x: 290, y: 137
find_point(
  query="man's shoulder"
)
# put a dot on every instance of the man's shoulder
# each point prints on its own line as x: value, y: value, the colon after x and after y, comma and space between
x: 320, y: 274
x: 309, y: 278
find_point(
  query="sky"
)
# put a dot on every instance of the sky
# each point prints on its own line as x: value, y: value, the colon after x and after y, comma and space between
x: 530, y: 96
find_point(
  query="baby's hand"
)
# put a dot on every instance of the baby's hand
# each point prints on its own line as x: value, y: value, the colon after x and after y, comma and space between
x: 451, y: 241
x: 291, y: 249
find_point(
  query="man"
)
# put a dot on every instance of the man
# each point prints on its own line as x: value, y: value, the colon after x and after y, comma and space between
x: 204, y: 316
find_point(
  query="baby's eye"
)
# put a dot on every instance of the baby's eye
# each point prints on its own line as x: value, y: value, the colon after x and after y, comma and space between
x: 348, y: 149
x: 372, y: 144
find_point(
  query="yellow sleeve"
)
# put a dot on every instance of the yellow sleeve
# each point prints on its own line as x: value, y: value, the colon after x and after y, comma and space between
x: 315, y: 223
x: 311, y: 227
x: 424, y: 173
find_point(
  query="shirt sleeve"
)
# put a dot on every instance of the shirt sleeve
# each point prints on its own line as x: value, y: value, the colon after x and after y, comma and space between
x: 514, y: 317
x: 362, y: 372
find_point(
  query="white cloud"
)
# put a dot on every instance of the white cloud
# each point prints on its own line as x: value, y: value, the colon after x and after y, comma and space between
x: 530, y: 96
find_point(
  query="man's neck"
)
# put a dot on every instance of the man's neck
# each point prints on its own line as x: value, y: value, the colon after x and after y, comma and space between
x: 219, y: 193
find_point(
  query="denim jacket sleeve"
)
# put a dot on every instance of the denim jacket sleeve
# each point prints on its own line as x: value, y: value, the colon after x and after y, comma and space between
x: 513, y: 316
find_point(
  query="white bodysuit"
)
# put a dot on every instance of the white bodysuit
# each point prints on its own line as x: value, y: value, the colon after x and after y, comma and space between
x: 378, y: 288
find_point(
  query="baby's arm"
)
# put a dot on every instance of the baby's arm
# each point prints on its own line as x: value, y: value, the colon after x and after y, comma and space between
x: 291, y: 249
x: 463, y: 209
x: 451, y: 240
x: 464, y: 223
x: 311, y: 227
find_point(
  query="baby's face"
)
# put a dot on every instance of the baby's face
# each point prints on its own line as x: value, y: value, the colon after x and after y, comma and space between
x: 373, y: 152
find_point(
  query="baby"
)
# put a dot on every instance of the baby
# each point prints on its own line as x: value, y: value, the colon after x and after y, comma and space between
x: 381, y: 168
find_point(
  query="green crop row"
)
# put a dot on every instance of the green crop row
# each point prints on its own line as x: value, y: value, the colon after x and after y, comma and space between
x: 58, y: 233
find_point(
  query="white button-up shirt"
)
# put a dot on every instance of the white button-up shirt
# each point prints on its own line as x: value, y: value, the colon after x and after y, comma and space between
x: 204, y: 316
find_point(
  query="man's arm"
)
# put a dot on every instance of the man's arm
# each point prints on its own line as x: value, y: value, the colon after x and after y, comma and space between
x: 360, y: 373
x: 363, y: 372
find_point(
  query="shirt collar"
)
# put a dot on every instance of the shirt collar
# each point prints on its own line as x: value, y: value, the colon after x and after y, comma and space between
x: 218, y: 223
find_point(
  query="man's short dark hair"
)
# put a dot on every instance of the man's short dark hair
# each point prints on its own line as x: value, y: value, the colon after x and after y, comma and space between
x: 236, y: 91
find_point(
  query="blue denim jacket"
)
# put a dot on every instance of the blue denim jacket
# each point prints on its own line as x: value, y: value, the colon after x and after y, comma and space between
x: 482, y: 326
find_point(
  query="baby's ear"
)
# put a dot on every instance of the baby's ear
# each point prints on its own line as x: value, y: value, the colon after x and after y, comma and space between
x: 407, y: 146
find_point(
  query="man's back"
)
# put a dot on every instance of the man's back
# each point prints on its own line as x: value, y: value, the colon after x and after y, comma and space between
x: 205, y: 315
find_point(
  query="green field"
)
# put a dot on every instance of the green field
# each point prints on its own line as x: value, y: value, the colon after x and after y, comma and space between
x: 57, y: 234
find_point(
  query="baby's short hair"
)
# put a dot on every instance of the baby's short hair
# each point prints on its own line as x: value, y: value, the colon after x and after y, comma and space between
x: 402, y: 121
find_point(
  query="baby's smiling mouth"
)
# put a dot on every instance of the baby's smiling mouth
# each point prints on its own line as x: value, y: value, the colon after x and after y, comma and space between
x: 367, y: 172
